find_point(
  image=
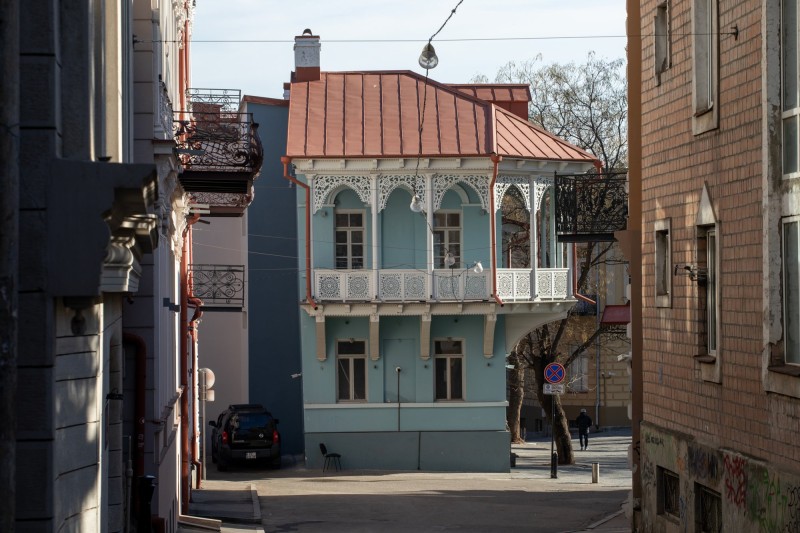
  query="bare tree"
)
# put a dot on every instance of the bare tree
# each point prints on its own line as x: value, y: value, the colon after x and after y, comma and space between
x: 586, y: 105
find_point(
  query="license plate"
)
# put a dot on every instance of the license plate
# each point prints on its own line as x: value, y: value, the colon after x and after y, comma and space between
x: 250, y: 455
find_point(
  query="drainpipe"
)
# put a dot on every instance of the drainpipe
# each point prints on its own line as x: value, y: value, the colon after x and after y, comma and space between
x: 139, y: 413
x: 198, y: 312
x: 286, y: 160
x: 186, y: 485
x: 496, y: 161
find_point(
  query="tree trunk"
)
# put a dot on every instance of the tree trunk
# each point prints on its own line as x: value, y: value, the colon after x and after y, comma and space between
x: 516, y: 393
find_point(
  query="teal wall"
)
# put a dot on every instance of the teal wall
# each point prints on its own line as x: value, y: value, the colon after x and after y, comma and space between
x: 417, y: 433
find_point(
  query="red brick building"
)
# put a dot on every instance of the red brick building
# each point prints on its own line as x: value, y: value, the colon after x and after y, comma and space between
x: 720, y: 363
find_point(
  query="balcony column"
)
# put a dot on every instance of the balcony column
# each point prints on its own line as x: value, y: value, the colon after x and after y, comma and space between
x: 533, y: 199
x: 375, y: 249
x: 429, y: 233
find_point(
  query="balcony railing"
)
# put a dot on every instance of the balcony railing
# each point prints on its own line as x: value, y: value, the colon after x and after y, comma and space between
x: 219, y: 285
x: 396, y: 285
x: 590, y: 207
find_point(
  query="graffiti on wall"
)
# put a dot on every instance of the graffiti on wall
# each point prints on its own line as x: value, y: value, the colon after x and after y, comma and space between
x: 703, y: 464
x: 735, y: 480
x: 767, y: 501
x: 648, y: 474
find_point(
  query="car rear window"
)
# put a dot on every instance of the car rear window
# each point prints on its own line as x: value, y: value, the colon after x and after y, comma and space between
x: 247, y: 421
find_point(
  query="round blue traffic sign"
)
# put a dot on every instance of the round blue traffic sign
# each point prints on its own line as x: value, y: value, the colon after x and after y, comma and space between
x: 554, y: 373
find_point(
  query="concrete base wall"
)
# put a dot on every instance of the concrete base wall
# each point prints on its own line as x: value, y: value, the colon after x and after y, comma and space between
x: 443, y: 451
x: 753, y: 494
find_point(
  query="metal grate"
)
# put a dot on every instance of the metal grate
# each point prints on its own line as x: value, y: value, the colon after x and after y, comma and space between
x: 671, y: 490
x: 709, y: 510
x: 219, y: 285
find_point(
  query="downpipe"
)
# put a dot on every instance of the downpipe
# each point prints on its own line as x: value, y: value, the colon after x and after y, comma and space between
x: 286, y: 160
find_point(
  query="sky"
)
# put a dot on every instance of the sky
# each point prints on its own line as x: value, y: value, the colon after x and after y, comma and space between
x: 561, y: 31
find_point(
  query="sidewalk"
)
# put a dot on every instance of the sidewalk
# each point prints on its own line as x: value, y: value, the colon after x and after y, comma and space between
x: 218, y: 507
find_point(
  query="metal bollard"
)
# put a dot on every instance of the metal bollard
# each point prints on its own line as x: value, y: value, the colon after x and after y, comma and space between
x: 595, y: 472
x: 554, y: 465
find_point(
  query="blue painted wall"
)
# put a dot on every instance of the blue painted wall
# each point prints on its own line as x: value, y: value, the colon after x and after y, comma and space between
x: 274, y: 332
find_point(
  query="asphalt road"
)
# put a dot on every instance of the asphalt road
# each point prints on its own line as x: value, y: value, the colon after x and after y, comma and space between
x: 295, y: 499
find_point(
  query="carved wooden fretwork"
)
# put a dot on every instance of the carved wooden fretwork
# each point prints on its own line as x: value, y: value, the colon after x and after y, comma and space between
x: 442, y: 182
x: 540, y: 186
x: 504, y: 183
x: 387, y: 185
x: 323, y: 186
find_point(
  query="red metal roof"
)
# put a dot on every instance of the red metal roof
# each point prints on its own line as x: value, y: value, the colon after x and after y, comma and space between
x: 616, y: 315
x: 377, y: 114
x: 495, y: 92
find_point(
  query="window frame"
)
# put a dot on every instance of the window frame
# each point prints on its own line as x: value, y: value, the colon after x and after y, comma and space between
x: 350, y: 230
x: 663, y: 262
x: 790, y: 113
x: 705, y: 65
x: 785, y: 304
x: 351, y: 358
x: 670, y: 509
x: 438, y: 356
x: 701, y: 494
x: 446, y: 244
x: 578, y: 374
x: 712, y: 291
x: 662, y: 30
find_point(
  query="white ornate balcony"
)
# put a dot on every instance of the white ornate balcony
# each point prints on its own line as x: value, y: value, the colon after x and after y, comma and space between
x: 396, y: 285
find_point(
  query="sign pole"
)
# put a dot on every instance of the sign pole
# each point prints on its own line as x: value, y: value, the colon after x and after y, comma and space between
x: 553, y: 452
x: 554, y: 374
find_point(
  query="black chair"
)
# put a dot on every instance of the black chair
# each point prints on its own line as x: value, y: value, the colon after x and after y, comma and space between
x: 331, y: 459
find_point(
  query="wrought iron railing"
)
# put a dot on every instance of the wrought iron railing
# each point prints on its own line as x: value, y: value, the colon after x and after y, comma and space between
x: 590, y: 207
x: 211, y: 141
x: 225, y: 100
x: 219, y: 285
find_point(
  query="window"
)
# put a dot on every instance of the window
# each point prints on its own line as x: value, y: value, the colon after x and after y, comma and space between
x: 711, y: 291
x: 663, y: 263
x: 789, y: 87
x: 669, y: 493
x: 449, y: 368
x: 705, y: 77
x: 446, y: 238
x: 578, y: 374
x: 791, y: 290
x: 349, y: 240
x: 351, y: 370
x: 708, y: 510
x: 662, y: 32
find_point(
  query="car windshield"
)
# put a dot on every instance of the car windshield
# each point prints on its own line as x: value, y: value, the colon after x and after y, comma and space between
x: 246, y: 421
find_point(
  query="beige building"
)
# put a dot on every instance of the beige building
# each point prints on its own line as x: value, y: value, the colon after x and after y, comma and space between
x: 720, y: 359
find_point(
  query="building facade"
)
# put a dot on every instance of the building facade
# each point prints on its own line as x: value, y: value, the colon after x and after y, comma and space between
x: 720, y: 359
x: 113, y: 168
x: 407, y: 306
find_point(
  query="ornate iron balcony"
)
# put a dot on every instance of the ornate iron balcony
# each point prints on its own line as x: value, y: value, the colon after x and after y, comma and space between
x: 219, y: 149
x: 219, y: 285
x: 590, y: 207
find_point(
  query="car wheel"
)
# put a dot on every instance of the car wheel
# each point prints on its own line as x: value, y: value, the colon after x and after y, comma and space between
x: 275, y: 464
x: 222, y: 465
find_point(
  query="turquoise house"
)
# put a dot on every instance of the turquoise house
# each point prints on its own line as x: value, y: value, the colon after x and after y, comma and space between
x: 408, y: 306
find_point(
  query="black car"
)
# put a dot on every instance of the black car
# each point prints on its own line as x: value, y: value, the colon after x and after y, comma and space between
x: 246, y: 432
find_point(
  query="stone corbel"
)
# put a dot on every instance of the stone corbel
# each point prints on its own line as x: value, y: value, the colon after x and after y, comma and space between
x: 103, y: 213
x: 425, y: 337
x: 489, y: 323
x: 322, y: 353
x: 374, y: 337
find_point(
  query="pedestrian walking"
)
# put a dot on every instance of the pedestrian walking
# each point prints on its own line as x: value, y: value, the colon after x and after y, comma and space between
x: 583, y: 422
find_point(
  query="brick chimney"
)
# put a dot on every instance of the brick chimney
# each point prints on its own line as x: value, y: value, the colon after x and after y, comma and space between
x: 306, y: 57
